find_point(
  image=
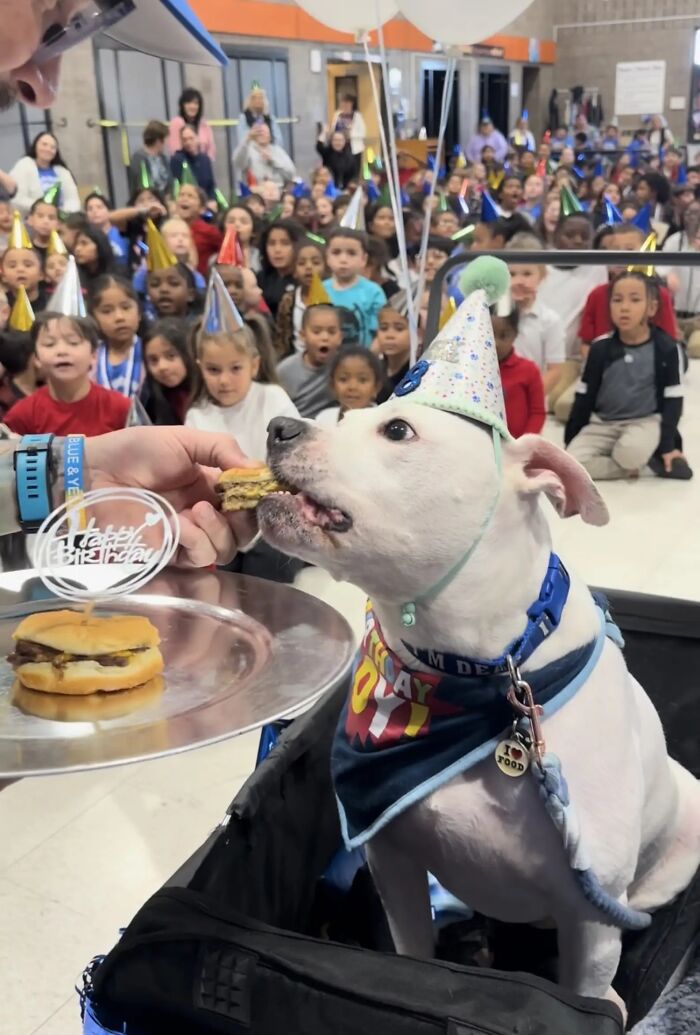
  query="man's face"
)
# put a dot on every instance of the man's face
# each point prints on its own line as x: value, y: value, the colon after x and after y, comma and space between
x: 24, y: 27
x: 190, y: 141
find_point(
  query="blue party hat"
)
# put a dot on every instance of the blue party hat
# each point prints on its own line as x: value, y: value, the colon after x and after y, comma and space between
x: 244, y: 190
x: 612, y: 212
x: 300, y: 190
x: 643, y: 218
x: 524, y: 115
x: 598, y: 168
x: 485, y: 117
x: 682, y: 176
x: 489, y: 209
x: 220, y: 313
x: 373, y: 191
x: 459, y: 371
x: 331, y: 190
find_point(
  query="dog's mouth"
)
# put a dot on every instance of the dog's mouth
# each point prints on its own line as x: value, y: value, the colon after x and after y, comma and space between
x: 309, y: 509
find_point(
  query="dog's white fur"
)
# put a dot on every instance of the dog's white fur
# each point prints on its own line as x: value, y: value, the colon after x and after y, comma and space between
x: 416, y: 506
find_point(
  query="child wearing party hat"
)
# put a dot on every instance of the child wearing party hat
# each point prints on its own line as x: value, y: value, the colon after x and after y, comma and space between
x: 65, y: 344
x: 565, y: 289
x: 21, y: 266
x: 169, y: 283
x: 42, y: 222
x: 20, y: 372
x: 229, y: 397
x: 56, y: 260
x: 309, y: 269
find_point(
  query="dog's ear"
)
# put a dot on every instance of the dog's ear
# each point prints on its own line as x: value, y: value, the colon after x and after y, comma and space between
x: 539, y: 466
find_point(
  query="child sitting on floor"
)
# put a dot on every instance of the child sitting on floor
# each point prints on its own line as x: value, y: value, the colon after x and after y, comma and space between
x: 630, y: 398
x: 305, y: 374
x: 356, y: 376
x: 521, y: 379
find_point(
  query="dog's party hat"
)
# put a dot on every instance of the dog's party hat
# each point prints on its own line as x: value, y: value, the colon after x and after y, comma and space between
x: 159, y: 256
x: 220, y: 313
x: 68, y: 299
x: 354, y: 215
x: 55, y: 245
x: 230, y: 253
x: 22, y: 315
x: 459, y: 371
x: 19, y: 238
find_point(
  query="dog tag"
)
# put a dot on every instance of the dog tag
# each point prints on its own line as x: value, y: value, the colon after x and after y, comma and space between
x: 512, y: 758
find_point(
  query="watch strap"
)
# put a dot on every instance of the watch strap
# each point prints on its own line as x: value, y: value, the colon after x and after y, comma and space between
x: 32, y: 462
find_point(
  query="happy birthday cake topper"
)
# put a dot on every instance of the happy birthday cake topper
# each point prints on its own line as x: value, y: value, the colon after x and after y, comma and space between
x: 82, y: 552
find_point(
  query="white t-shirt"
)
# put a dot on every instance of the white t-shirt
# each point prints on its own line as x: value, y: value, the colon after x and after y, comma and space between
x: 328, y: 417
x: 540, y: 335
x: 246, y: 421
x: 566, y: 291
x: 687, y: 298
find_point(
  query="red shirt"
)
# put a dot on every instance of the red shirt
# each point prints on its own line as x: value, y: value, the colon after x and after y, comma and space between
x: 207, y: 240
x: 523, y: 394
x: 39, y: 414
x: 596, y: 322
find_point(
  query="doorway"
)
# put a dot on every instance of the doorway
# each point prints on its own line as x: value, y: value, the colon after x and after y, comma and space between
x: 494, y: 96
x: 532, y: 102
x: 352, y: 77
x: 433, y: 86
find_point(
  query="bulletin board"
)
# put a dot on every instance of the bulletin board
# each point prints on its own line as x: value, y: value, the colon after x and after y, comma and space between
x: 640, y: 87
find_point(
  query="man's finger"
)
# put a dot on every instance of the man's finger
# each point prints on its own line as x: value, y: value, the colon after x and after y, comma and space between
x: 213, y: 450
x: 205, y: 538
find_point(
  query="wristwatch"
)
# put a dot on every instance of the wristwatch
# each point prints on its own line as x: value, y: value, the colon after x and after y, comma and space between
x: 33, y: 465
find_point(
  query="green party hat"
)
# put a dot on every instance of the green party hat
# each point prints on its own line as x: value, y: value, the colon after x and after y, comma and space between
x: 274, y: 213
x: 221, y: 201
x: 145, y: 182
x: 52, y: 194
x: 176, y: 189
x: 442, y: 205
x: 187, y: 176
x: 570, y: 205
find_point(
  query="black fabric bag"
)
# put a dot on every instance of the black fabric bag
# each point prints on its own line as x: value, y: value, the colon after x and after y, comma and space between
x: 186, y: 966
x: 231, y: 909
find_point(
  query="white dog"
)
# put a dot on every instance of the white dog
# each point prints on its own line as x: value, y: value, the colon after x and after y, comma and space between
x: 390, y: 499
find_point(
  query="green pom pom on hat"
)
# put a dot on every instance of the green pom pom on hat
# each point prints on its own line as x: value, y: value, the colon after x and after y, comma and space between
x: 487, y: 274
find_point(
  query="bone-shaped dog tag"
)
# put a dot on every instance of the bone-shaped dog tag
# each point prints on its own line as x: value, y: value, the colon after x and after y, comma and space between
x: 512, y: 758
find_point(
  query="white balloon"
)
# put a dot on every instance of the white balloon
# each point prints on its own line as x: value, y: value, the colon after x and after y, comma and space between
x: 350, y: 15
x: 460, y: 21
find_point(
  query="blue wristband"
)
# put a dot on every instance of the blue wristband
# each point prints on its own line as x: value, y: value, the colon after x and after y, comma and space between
x: 32, y: 462
x: 74, y: 478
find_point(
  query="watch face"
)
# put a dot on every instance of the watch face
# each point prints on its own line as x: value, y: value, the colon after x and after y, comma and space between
x: 94, y: 16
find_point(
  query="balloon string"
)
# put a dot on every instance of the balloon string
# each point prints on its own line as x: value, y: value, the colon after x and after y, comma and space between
x: 444, y: 114
x: 393, y: 182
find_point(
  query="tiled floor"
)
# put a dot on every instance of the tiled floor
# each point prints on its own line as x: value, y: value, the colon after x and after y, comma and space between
x: 80, y: 853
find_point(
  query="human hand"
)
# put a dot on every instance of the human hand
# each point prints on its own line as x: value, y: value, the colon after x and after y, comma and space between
x: 668, y: 459
x: 156, y: 210
x: 182, y: 465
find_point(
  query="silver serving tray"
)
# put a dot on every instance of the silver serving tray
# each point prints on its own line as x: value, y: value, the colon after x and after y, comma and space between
x: 239, y: 652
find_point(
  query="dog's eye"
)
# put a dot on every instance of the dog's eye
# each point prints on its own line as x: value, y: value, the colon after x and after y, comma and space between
x: 398, y: 431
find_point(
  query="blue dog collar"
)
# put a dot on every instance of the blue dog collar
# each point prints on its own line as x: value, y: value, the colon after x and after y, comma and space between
x: 32, y: 463
x: 543, y: 617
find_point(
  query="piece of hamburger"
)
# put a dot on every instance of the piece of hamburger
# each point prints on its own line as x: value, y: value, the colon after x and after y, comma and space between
x: 67, y: 652
x: 242, y: 488
x: 87, y: 707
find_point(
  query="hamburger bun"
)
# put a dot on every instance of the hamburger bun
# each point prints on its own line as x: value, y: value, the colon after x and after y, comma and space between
x: 88, y: 708
x: 74, y: 632
x: 242, y: 488
x: 71, y: 652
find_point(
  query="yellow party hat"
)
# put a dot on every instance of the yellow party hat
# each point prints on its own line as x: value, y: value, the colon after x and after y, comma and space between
x: 56, y: 245
x: 649, y: 245
x: 317, y: 293
x: 159, y: 255
x: 22, y: 315
x: 448, y: 312
x: 19, y: 238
